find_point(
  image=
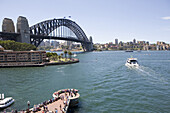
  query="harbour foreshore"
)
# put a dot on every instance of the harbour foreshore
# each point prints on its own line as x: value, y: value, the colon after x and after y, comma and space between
x: 30, y: 64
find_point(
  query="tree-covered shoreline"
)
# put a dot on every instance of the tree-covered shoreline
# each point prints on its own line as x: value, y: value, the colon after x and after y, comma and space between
x: 16, y: 46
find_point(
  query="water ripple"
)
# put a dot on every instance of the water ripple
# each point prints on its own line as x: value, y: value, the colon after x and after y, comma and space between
x: 105, y: 83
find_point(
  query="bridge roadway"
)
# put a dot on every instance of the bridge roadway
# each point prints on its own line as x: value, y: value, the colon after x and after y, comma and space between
x: 14, y: 35
x: 58, y: 38
x: 10, y: 36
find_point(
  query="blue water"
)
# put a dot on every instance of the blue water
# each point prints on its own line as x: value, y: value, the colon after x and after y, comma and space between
x: 106, y: 85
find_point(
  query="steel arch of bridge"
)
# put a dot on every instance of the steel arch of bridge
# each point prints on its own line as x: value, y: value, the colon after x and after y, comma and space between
x: 41, y: 31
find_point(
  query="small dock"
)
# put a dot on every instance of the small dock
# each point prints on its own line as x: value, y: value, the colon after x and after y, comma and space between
x: 61, y: 101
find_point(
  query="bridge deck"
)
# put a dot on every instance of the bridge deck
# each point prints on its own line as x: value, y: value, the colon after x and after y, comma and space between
x: 58, y: 38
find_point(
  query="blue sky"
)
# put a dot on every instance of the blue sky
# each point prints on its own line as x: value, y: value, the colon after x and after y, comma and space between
x: 104, y: 20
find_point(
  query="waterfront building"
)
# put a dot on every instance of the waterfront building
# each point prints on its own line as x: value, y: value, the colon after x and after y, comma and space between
x: 121, y: 43
x: 139, y: 45
x: 164, y: 47
x: 161, y: 47
x: 168, y: 47
x: 157, y: 47
x: 141, y: 42
x: 124, y: 44
x: 106, y: 45
x: 25, y: 57
x: 153, y: 47
x: 160, y: 43
x: 147, y: 42
x: 130, y: 43
x: 146, y: 47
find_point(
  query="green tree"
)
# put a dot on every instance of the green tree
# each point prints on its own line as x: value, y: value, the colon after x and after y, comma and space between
x: 16, y: 46
x: 61, y: 55
x: 70, y: 54
x: 48, y: 54
x: 52, y: 56
x: 55, y: 56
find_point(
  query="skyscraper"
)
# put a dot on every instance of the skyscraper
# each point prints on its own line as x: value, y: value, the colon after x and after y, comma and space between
x: 116, y: 41
x: 134, y: 41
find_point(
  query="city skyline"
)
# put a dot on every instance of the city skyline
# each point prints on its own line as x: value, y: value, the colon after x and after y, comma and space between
x: 103, y: 20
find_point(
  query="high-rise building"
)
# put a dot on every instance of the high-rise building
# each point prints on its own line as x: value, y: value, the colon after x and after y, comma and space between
x: 47, y: 43
x: 55, y: 44
x: 134, y: 41
x: 116, y: 41
x: 69, y: 44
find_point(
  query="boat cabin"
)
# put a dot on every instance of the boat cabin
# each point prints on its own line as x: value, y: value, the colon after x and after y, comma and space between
x: 132, y: 61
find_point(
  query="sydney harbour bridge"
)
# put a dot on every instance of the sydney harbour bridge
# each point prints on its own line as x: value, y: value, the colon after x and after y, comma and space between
x: 56, y: 29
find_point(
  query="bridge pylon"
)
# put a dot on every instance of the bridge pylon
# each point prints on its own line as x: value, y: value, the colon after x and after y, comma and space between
x: 23, y: 29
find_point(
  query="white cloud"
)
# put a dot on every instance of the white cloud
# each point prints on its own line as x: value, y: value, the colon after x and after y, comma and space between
x: 166, y: 18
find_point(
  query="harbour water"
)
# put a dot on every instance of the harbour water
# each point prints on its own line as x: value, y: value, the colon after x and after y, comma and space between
x: 105, y: 84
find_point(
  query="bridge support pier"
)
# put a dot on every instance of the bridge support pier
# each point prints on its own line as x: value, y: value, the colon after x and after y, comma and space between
x: 87, y: 46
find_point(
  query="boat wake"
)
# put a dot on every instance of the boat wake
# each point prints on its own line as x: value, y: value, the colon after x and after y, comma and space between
x: 150, y: 75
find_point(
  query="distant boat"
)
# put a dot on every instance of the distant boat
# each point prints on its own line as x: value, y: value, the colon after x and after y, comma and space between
x: 5, y: 102
x: 74, y: 55
x: 128, y: 51
x: 132, y: 62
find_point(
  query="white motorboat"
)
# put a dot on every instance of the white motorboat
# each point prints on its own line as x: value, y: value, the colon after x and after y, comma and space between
x: 132, y: 62
x: 5, y: 102
x: 74, y: 55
